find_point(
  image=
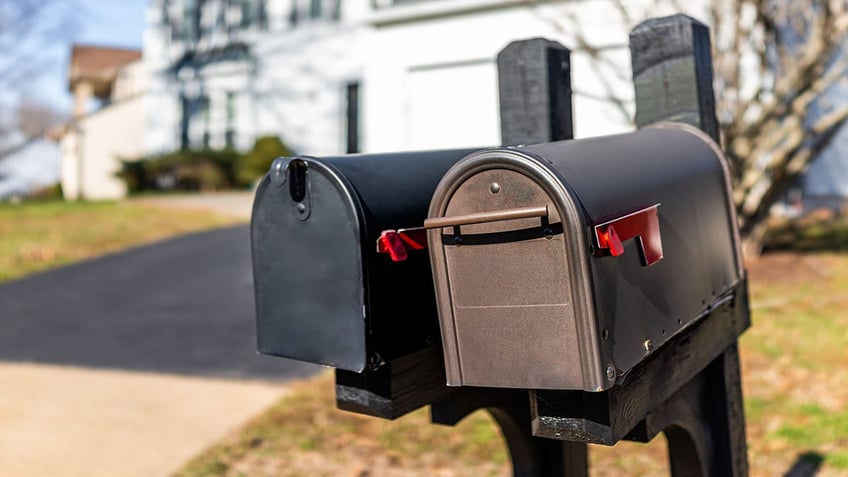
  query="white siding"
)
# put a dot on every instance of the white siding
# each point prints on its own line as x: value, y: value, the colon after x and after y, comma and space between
x: 92, y: 152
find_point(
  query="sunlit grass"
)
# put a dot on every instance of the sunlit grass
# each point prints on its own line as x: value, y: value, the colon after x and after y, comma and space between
x: 795, y: 373
x: 305, y: 435
x: 41, y: 235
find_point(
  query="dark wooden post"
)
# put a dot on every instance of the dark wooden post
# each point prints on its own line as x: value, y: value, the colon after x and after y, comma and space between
x: 534, y: 83
x: 534, y: 79
x: 673, y: 80
x: 673, y: 73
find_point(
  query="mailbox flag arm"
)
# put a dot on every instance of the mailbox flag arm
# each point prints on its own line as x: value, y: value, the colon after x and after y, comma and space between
x: 643, y: 224
x: 396, y: 242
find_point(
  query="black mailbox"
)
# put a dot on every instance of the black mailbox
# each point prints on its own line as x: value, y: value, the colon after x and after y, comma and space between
x: 563, y: 265
x: 323, y: 293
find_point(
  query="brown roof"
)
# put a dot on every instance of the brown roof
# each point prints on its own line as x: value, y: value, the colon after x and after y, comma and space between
x: 98, y: 64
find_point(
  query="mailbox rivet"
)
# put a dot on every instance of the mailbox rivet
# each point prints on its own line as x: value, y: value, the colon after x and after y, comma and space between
x: 610, y: 373
x: 649, y: 345
x: 494, y: 187
x: 301, y: 207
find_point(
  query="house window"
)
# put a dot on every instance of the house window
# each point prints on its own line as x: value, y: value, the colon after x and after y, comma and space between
x: 185, y: 105
x: 315, y: 9
x: 207, y: 120
x: 194, y: 16
x: 245, y: 13
x: 262, y: 15
x: 230, y: 134
x: 205, y: 110
x: 231, y: 107
x: 352, y: 117
x: 194, y: 126
x: 293, y: 14
x: 311, y: 10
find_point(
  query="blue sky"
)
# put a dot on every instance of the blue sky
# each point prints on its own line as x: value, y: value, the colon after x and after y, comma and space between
x: 100, y: 22
x: 113, y: 22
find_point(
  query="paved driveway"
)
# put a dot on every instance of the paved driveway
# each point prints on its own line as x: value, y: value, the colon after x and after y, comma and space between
x: 147, y: 342
x: 184, y: 305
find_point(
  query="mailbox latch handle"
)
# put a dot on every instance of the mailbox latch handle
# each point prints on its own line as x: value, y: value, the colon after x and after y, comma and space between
x: 484, y: 217
x: 642, y: 225
x: 397, y: 242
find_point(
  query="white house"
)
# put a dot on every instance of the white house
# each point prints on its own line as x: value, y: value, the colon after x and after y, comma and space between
x: 365, y: 75
x: 96, y: 139
x: 226, y: 72
x: 333, y: 76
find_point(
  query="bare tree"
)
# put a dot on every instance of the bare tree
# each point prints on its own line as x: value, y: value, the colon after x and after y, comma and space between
x: 30, y: 31
x: 27, y: 28
x: 33, y: 118
x: 777, y: 63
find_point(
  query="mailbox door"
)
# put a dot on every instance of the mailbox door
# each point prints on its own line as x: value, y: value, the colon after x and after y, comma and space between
x: 510, y: 316
x: 307, y: 240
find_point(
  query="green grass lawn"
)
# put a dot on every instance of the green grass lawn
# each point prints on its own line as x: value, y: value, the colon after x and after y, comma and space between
x: 40, y: 235
x: 795, y: 378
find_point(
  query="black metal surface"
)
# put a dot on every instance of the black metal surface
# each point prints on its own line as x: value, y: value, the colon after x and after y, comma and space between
x: 616, y: 175
x: 323, y: 294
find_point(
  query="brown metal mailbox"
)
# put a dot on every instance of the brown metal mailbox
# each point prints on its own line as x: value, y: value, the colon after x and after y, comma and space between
x: 563, y: 265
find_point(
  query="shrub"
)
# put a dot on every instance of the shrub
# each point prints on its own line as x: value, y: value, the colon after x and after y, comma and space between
x: 47, y: 193
x: 187, y: 170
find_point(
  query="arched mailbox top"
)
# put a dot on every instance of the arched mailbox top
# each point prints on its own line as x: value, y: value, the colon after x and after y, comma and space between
x: 638, y: 242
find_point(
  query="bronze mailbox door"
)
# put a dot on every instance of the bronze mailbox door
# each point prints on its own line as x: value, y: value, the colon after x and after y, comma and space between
x: 509, y: 284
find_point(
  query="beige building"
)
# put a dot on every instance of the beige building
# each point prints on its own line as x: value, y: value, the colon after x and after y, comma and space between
x: 108, y: 121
